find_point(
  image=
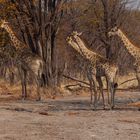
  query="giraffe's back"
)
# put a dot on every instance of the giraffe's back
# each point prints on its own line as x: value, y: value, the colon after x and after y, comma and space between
x: 32, y: 61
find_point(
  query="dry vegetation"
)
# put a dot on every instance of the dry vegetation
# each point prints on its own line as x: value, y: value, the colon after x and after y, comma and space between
x: 64, y: 111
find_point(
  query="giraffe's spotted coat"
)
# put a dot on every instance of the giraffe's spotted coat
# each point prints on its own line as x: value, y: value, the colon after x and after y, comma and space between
x: 32, y: 62
x: 100, y: 66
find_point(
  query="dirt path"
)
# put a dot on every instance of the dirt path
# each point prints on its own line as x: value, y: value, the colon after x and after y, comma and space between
x: 70, y: 118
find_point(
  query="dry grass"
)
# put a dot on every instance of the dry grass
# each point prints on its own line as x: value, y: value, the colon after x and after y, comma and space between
x: 53, y: 93
x: 127, y: 85
x: 16, y: 91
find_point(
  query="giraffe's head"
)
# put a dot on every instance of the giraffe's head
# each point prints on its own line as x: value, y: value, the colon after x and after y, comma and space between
x: 75, y: 34
x: 68, y: 39
x: 3, y: 23
x: 113, y: 31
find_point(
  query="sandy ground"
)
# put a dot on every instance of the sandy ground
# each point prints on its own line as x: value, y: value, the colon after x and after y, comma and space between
x: 70, y: 118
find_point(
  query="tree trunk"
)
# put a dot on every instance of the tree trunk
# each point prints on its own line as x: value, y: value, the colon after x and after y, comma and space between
x: 38, y: 22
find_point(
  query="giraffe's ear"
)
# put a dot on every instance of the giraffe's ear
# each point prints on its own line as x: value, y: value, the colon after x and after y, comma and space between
x: 68, y: 39
x: 80, y: 33
x: 3, y: 21
x: 116, y: 28
x: 76, y: 33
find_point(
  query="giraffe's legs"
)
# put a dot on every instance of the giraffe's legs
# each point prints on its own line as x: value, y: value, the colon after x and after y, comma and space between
x: 23, y: 76
x: 114, y: 86
x: 91, y: 90
x: 114, y: 89
x: 38, y: 82
x: 94, y: 86
x: 101, y: 89
x: 25, y: 84
x: 99, y: 95
x: 112, y: 93
x: 108, y: 90
x: 95, y: 91
x: 23, y: 97
x: 112, y: 96
x: 91, y: 74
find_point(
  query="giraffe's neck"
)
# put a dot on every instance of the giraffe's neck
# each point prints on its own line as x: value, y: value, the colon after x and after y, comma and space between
x: 91, y: 56
x: 16, y: 42
x: 130, y: 47
x: 84, y: 52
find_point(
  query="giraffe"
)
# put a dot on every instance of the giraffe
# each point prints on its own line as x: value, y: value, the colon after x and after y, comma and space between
x: 100, y: 66
x: 28, y: 61
x: 133, y: 50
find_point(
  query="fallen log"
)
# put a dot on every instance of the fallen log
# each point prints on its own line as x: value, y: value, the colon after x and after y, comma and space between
x: 75, y: 87
x: 74, y: 79
x: 127, y: 81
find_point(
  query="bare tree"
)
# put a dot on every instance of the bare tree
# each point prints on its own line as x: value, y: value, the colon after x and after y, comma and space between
x: 106, y: 14
x: 38, y: 21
